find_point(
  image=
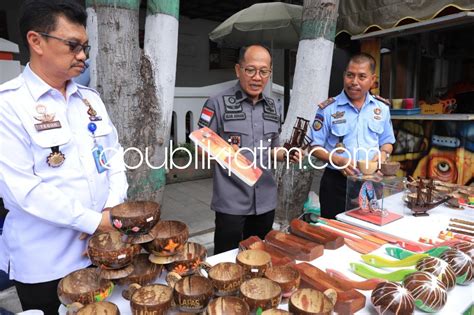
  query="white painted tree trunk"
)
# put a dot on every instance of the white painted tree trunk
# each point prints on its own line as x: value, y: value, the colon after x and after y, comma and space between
x: 161, y: 48
x: 310, y: 87
x: 311, y: 81
x: 136, y: 86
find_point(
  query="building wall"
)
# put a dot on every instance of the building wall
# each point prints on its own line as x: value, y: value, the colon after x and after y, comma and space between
x: 193, y: 56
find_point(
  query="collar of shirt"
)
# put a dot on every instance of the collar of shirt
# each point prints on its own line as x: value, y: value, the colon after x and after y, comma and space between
x: 241, y: 96
x: 38, y: 87
x: 342, y: 100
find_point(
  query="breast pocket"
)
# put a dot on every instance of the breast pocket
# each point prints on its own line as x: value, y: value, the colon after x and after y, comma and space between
x: 44, y: 143
x: 237, y: 132
x: 271, y: 130
x: 375, y: 130
x: 338, y: 133
x: 103, y: 130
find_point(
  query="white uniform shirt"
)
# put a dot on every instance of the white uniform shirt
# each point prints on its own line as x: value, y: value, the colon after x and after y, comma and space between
x: 49, y: 207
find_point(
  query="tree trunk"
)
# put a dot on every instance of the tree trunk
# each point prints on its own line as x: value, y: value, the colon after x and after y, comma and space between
x: 136, y: 86
x: 310, y: 87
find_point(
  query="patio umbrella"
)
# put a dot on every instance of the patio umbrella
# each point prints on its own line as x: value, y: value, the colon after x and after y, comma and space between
x: 276, y: 24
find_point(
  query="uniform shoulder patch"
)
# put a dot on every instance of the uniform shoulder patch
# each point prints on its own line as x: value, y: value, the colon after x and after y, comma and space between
x: 381, y: 99
x: 326, y: 103
x: 207, y: 114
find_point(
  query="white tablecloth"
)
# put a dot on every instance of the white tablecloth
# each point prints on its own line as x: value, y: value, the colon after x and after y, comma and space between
x: 409, y: 227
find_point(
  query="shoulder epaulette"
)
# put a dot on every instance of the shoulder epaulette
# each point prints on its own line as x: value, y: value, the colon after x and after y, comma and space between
x: 383, y: 100
x: 326, y: 103
x: 80, y: 86
x: 11, y: 85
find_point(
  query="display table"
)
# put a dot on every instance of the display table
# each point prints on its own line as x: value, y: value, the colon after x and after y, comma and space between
x: 408, y: 227
x: 459, y: 298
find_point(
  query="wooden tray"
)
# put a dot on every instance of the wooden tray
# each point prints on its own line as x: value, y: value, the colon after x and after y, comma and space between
x: 316, y: 234
x: 349, y: 300
x: 278, y: 257
x: 294, y: 246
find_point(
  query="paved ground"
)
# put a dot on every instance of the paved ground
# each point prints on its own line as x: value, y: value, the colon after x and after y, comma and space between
x: 188, y: 202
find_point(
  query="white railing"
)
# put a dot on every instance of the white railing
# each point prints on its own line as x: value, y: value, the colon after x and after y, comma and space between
x: 189, y: 101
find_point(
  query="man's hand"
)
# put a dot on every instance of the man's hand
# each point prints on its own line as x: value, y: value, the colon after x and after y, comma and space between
x: 296, y: 156
x: 383, y: 157
x: 105, y: 223
x: 104, y: 226
x: 350, y: 168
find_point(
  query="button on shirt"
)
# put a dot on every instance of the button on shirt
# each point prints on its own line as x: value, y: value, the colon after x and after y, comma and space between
x: 230, y: 194
x: 51, y: 206
x: 359, y: 130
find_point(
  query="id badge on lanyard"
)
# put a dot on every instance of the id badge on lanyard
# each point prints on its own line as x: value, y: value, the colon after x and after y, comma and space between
x: 100, y: 159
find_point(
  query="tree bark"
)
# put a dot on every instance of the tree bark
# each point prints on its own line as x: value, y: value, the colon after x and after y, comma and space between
x: 137, y: 95
x: 310, y: 87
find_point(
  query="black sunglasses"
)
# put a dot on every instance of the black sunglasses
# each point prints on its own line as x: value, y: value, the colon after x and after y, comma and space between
x: 74, y: 47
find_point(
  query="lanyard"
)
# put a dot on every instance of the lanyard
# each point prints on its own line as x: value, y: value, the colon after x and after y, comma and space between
x: 100, y: 159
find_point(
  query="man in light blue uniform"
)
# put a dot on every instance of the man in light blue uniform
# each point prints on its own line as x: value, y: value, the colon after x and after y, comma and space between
x: 354, y: 125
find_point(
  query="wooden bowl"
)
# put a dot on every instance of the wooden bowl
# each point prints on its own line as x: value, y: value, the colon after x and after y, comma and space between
x: 97, y: 308
x: 192, y: 293
x: 149, y: 299
x: 184, y: 263
x: 254, y: 261
x: 135, y: 219
x: 260, y: 293
x: 367, y: 167
x: 287, y: 278
x: 170, y: 237
x: 389, y: 168
x: 312, y: 302
x: 114, y: 257
x: 144, y: 271
x: 226, y: 277
x: 84, y: 286
x: 227, y: 305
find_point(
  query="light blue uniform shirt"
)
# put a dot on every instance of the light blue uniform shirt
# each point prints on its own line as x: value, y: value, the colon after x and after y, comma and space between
x: 342, y: 122
x: 48, y: 206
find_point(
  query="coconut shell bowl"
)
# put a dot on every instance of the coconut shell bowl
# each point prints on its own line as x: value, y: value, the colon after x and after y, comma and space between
x: 84, y: 286
x: 170, y: 238
x: 367, y: 167
x: 144, y: 271
x: 135, y: 219
x: 113, y: 257
x: 389, y: 168
x: 184, y: 263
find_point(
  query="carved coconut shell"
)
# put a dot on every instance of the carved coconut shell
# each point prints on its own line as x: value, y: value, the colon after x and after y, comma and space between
x: 462, y: 265
x: 465, y: 247
x: 429, y: 292
x: 439, y: 268
x: 392, y: 298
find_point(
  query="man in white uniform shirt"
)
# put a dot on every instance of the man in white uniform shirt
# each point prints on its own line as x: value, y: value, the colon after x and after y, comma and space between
x: 61, y: 165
